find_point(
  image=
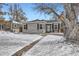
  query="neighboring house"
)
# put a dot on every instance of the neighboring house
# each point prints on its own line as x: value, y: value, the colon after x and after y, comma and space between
x: 38, y: 26
x: 4, y: 25
x: 15, y: 26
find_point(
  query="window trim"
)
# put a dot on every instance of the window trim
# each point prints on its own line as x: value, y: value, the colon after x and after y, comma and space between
x: 41, y: 27
x: 25, y: 26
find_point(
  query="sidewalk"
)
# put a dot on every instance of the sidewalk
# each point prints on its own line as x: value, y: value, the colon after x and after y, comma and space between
x: 46, y: 46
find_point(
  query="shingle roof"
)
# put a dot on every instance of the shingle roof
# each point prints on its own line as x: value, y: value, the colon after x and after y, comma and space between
x: 44, y: 20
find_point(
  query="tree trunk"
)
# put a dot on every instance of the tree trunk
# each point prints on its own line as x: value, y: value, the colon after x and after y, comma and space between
x: 69, y: 19
x: 71, y: 27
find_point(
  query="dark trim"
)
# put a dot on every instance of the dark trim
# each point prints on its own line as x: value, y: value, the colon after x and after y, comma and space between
x: 58, y: 27
x: 37, y: 26
x: 53, y: 27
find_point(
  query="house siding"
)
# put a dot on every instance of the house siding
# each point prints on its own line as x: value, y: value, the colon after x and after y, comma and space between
x: 34, y: 27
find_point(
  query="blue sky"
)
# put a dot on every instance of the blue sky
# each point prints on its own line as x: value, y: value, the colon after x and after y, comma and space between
x: 32, y: 14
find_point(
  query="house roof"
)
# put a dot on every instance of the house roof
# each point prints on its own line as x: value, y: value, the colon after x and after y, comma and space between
x: 42, y: 21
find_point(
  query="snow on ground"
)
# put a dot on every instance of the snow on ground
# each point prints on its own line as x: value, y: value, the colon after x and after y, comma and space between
x: 53, y: 45
x: 11, y: 42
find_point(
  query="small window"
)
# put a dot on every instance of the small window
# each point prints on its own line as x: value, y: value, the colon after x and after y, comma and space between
x: 55, y: 26
x: 40, y: 26
x: 15, y: 25
x: 62, y: 24
x: 25, y: 26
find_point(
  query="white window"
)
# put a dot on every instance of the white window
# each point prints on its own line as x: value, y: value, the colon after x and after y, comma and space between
x: 25, y: 26
x: 55, y: 26
x: 41, y: 26
x: 15, y: 25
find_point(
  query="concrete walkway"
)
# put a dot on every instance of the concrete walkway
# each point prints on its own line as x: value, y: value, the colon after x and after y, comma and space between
x: 50, y: 45
x: 53, y: 45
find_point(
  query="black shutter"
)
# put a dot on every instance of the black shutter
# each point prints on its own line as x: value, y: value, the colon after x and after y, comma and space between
x: 37, y: 26
x: 0, y: 27
x: 26, y: 26
x: 53, y: 27
x: 58, y: 27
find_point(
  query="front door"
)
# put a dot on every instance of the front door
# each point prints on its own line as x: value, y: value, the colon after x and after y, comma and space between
x: 48, y: 28
x: 20, y: 29
x: 1, y: 27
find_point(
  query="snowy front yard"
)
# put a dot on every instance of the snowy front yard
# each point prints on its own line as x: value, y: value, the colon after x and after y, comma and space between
x: 10, y: 42
x: 50, y: 45
x: 53, y: 45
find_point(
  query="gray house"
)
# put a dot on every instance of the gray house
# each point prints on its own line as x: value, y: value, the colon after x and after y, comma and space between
x: 42, y: 26
x: 39, y: 26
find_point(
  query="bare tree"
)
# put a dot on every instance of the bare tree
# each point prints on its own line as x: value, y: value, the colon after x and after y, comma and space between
x: 2, y: 13
x: 16, y: 13
x: 68, y: 18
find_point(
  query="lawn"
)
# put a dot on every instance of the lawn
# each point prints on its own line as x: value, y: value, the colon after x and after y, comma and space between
x: 12, y: 42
